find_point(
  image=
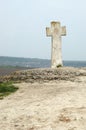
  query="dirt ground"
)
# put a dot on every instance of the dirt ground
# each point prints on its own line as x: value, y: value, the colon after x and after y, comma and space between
x: 54, y: 105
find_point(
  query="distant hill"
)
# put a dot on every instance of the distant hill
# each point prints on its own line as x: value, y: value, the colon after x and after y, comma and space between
x: 34, y: 62
x: 24, y: 62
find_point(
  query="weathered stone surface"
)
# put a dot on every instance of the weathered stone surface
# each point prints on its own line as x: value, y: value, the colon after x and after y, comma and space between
x: 44, y: 75
x: 56, y: 31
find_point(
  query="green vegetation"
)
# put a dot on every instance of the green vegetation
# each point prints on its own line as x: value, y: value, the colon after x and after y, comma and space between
x: 59, y: 65
x: 6, y: 89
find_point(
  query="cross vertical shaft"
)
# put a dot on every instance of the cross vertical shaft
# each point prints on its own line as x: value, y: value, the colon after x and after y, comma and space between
x: 56, y: 31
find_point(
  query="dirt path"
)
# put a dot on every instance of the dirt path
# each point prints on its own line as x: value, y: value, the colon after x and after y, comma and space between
x: 56, y: 105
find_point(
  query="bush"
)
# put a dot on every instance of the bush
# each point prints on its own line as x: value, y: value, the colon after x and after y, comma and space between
x: 6, y: 89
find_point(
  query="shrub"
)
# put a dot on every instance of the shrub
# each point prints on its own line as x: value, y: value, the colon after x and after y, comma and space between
x: 6, y: 89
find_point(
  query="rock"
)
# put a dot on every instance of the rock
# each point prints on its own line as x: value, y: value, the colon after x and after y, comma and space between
x: 39, y: 75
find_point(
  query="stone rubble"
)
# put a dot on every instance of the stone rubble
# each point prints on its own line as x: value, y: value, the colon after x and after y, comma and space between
x: 44, y: 75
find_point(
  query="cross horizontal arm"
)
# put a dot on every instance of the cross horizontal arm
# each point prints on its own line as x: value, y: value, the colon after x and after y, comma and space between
x: 63, y: 31
x: 48, y: 32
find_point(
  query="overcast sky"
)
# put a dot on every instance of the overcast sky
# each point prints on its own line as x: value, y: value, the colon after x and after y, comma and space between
x: 23, y: 24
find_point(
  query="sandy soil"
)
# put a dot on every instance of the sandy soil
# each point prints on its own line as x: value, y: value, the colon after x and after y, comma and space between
x: 56, y: 105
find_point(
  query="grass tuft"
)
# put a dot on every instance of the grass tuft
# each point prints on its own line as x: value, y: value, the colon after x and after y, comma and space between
x: 6, y: 89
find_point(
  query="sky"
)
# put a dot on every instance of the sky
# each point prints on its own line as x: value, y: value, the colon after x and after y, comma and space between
x: 23, y: 28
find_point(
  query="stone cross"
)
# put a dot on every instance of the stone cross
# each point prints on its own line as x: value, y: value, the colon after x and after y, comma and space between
x: 56, y: 31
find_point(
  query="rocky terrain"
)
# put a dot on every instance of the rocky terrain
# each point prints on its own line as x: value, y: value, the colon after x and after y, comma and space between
x: 47, y: 99
x: 44, y: 75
